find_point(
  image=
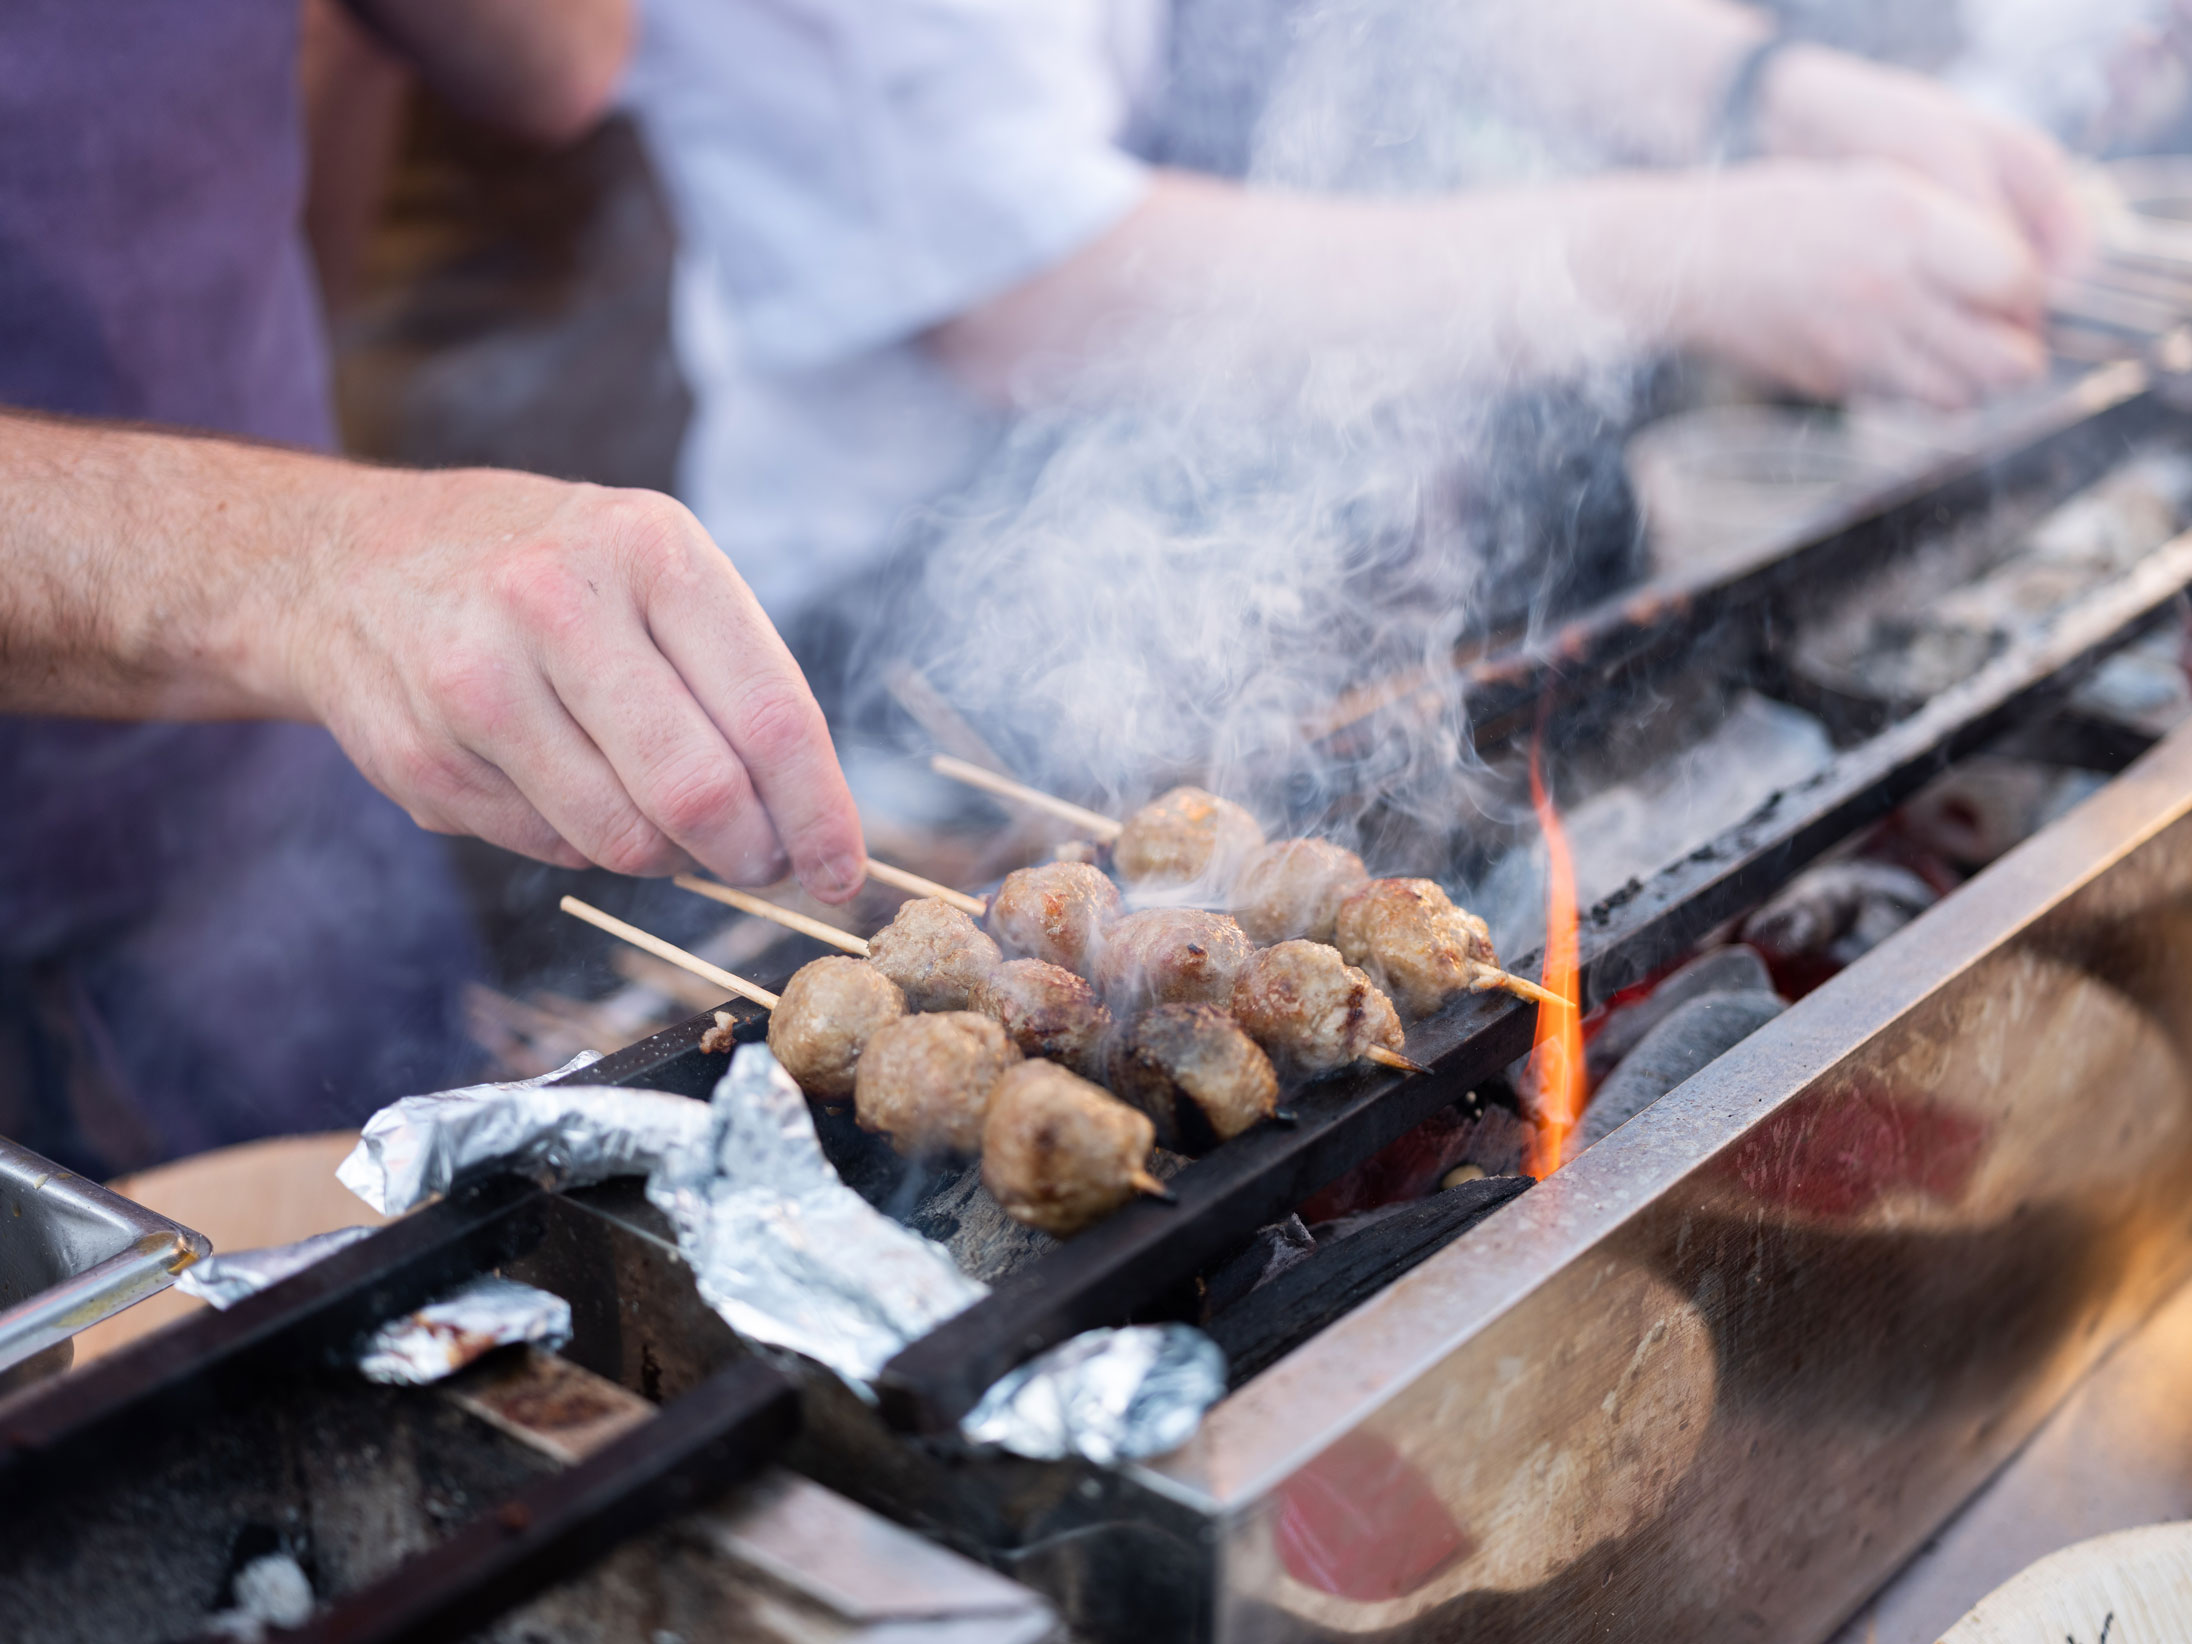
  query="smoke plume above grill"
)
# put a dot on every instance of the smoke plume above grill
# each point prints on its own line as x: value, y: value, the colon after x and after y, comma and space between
x: 1170, y: 575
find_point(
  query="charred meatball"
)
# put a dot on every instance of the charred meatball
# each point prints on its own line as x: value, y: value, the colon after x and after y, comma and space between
x: 1415, y: 943
x: 1059, y: 1153
x: 935, y: 953
x: 1292, y: 888
x: 1047, y: 1011
x: 1311, y: 1009
x: 1185, y: 837
x: 925, y: 1081
x: 1170, y: 956
x: 1200, y: 1079
x: 1057, y: 912
x: 826, y: 1016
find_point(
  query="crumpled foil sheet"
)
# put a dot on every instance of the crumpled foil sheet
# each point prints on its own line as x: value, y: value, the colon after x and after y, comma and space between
x: 227, y: 1277
x: 784, y: 1250
x: 1107, y: 1395
x: 443, y: 1337
x: 420, y: 1146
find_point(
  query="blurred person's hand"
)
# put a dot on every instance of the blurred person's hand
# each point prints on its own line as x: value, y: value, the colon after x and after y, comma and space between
x: 1820, y: 104
x: 571, y: 672
x: 1862, y: 277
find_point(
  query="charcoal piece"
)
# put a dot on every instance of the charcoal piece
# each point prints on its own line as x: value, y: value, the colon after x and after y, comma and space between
x: 1498, y: 1142
x: 960, y: 1215
x: 1695, y: 1034
x: 1736, y: 969
x: 1368, y: 1253
x: 1824, y: 904
x: 1272, y: 1251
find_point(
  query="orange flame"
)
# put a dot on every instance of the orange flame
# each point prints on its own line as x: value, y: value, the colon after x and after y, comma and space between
x: 1556, y: 1073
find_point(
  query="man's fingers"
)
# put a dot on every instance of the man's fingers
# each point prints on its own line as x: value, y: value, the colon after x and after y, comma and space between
x: 2036, y: 178
x: 1987, y: 352
x: 713, y: 633
x: 1977, y: 259
x: 505, y: 712
x: 669, y: 755
x: 447, y: 789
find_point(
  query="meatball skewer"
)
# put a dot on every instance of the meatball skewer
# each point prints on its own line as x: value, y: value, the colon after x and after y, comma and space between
x: 1484, y: 973
x: 1058, y: 1152
x: 1414, y: 942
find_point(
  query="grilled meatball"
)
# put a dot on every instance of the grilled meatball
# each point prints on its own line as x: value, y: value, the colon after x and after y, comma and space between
x: 1293, y: 888
x: 925, y: 1081
x: 1058, y: 1152
x: 1184, y: 837
x: 1414, y: 942
x: 935, y: 954
x: 1200, y: 1079
x: 1056, y: 912
x: 1047, y: 1011
x: 1170, y: 956
x: 1311, y: 1009
x: 828, y: 1012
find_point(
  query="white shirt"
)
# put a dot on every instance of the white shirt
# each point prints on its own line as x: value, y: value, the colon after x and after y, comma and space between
x: 846, y: 175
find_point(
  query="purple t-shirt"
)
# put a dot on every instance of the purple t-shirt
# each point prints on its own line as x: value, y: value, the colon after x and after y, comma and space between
x: 152, y: 263
x: 207, y: 932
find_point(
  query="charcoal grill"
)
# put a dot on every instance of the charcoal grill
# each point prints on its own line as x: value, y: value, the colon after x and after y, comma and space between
x: 1714, y: 1380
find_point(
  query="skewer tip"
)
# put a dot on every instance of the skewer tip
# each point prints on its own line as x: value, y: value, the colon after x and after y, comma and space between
x: 1285, y: 1116
x: 1145, y: 1183
x: 1393, y: 1058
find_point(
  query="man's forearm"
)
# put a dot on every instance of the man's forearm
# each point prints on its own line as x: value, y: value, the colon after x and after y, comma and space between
x: 139, y: 563
x: 1645, y: 77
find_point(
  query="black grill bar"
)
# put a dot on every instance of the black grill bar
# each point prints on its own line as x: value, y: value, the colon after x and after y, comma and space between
x: 1128, y: 1263
x: 219, y: 1360
x: 696, y: 1448
x: 2061, y: 445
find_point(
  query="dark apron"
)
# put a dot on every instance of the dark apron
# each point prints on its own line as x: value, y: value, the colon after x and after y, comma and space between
x: 208, y: 933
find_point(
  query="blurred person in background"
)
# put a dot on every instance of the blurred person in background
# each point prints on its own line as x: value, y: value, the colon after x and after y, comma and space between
x: 212, y: 927
x: 904, y: 223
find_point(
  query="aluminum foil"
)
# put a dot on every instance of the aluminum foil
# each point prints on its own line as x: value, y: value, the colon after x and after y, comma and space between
x: 445, y: 1336
x: 568, y: 1135
x: 782, y: 1249
x: 1107, y: 1395
x: 224, y: 1279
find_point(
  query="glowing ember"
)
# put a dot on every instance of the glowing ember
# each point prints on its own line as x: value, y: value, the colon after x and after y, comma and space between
x: 1556, y: 1074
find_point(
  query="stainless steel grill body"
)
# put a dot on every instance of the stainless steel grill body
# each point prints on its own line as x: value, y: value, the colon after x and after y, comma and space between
x: 1719, y: 1377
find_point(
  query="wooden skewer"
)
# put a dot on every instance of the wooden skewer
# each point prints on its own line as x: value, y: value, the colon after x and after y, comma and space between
x: 1523, y: 988
x: 900, y: 879
x: 647, y: 942
x: 1093, y: 824
x: 1393, y: 1058
x: 762, y: 908
x: 1144, y: 1182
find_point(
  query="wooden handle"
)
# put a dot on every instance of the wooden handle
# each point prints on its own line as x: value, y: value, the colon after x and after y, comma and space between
x: 1095, y: 825
x: 761, y: 908
x: 900, y: 879
x: 647, y: 942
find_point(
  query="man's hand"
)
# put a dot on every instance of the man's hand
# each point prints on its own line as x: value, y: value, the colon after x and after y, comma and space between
x: 1836, y: 280
x: 1826, y: 105
x: 571, y: 672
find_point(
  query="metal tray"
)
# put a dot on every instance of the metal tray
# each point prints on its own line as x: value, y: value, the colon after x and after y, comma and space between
x: 71, y: 1254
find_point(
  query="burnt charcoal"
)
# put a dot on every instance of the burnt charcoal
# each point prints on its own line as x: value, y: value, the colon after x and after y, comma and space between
x: 1695, y: 1034
x: 1272, y: 1251
x: 1498, y: 1141
x: 1736, y: 969
x: 1858, y: 899
x: 1362, y: 1256
x: 960, y: 1215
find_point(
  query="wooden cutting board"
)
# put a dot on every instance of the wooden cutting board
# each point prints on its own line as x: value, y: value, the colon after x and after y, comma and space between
x: 2132, y: 1587
x: 242, y: 1198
